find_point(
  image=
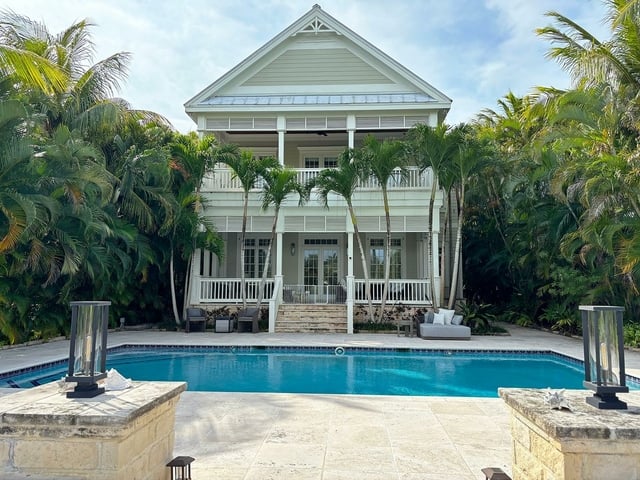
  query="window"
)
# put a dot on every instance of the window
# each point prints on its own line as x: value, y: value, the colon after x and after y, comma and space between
x: 255, y: 254
x: 330, y: 162
x: 376, y: 258
x: 311, y: 162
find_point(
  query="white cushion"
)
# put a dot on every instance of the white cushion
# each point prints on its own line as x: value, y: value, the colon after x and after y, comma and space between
x: 448, y: 315
x: 438, y: 319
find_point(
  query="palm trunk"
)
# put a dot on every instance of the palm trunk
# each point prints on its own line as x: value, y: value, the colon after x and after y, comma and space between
x: 173, y: 290
x: 187, y: 289
x: 456, y: 255
x: 363, y: 259
x: 387, y: 259
x: 243, y: 281
x: 265, y: 270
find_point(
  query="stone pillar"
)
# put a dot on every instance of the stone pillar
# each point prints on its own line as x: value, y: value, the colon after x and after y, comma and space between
x: 582, y: 444
x: 116, y: 435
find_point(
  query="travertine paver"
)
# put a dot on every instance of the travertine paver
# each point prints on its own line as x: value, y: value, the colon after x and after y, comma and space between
x: 349, y: 436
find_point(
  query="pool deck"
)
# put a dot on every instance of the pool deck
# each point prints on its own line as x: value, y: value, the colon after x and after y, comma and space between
x: 242, y: 436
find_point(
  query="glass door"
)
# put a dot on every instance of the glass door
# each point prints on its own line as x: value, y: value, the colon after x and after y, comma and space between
x: 320, y: 273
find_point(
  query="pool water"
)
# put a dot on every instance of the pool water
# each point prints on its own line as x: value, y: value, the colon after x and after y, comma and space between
x: 340, y: 371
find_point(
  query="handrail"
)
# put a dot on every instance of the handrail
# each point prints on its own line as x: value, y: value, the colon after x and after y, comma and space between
x: 414, y: 178
x: 229, y: 290
x: 405, y: 291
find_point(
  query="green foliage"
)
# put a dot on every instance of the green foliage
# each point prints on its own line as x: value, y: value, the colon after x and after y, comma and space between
x: 631, y: 334
x: 477, y: 316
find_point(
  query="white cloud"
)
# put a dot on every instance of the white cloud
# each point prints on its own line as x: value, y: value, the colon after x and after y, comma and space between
x: 473, y: 51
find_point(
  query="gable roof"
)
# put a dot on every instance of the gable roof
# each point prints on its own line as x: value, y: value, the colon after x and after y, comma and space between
x: 279, y: 75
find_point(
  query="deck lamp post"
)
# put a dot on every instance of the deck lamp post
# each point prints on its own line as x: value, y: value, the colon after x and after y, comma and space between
x: 88, y: 347
x: 603, y: 355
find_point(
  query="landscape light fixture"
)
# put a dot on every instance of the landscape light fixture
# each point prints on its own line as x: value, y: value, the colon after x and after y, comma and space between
x: 603, y: 355
x: 88, y: 347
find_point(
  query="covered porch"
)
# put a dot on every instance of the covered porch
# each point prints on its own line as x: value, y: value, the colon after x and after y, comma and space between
x: 314, y: 269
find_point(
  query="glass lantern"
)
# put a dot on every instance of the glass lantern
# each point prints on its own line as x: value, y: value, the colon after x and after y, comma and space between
x: 88, y: 347
x: 603, y: 341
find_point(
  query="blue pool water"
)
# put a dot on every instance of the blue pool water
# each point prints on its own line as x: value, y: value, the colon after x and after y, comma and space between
x: 354, y: 371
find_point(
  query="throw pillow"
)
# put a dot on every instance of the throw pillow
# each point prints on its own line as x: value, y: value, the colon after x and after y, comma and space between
x: 456, y: 320
x: 448, y: 315
x: 438, y: 319
x: 428, y: 317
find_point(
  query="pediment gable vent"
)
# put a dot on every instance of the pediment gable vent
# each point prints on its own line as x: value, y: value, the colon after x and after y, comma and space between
x: 316, y: 26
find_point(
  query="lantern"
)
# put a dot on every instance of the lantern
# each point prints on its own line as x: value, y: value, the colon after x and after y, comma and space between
x: 88, y: 347
x: 603, y: 355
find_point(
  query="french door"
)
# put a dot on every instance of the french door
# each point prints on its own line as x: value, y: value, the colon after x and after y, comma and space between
x: 320, y: 270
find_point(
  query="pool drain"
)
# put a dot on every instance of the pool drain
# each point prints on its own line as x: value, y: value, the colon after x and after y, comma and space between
x: 339, y: 351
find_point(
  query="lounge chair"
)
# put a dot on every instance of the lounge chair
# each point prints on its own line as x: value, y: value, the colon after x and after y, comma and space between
x: 196, y: 315
x: 248, y: 316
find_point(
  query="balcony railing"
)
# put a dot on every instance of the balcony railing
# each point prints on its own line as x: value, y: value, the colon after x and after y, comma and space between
x: 223, y: 179
x: 228, y: 291
x: 408, y: 292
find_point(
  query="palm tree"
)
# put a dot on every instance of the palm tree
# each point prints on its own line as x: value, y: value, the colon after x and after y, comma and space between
x: 191, y: 158
x: 279, y: 183
x: 343, y: 181
x: 248, y: 170
x: 87, y: 100
x: 433, y: 148
x: 384, y: 160
x: 468, y: 162
x: 591, y: 61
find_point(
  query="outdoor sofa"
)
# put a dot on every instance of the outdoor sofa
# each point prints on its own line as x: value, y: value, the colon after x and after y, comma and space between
x: 443, y: 325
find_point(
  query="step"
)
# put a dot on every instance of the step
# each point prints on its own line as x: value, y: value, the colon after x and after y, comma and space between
x: 311, y: 318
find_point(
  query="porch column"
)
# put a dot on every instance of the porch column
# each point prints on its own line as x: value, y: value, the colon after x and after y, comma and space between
x: 277, y: 282
x: 435, y: 245
x: 282, y: 127
x: 279, y: 254
x: 195, y: 278
x: 436, y: 265
x: 351, y: 130
x: 350, y: 283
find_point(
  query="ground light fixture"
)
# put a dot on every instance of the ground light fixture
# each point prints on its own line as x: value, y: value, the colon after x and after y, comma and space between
x: 88, y: 347
x: 603, y: 355
x: 181, y: 468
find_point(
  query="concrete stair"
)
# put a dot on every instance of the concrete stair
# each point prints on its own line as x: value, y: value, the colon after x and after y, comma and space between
x: 311, y: 318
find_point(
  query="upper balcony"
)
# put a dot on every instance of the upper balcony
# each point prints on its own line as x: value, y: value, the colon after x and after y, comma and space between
x: 222, y: 179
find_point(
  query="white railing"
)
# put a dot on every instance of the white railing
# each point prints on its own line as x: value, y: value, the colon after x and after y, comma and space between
x: 314, y: 294
x: 274, y: 304
x: 229, y: 290
x: 407, y: 292
x: 223, y: 179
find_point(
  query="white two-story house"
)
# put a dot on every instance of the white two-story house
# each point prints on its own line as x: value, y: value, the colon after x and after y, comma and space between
x: 314, y: 90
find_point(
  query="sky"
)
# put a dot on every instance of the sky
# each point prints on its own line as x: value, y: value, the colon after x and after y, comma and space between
x: 474, y: 51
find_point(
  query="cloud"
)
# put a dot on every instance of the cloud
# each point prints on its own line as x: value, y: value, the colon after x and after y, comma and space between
x: 474, y: 51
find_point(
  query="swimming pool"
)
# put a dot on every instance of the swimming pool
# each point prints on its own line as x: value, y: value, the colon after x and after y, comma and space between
x: 332, y: 370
